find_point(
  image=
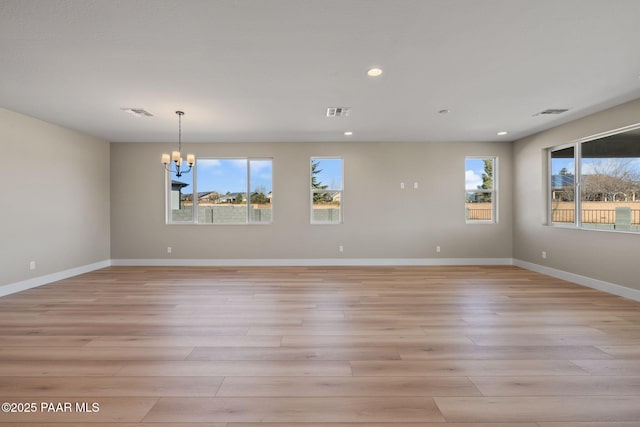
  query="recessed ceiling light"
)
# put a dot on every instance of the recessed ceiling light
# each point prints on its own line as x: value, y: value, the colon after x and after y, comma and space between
x: 374, y: 72
x: 348, y: 133
x: 445, y: 111
x: 502, y: 133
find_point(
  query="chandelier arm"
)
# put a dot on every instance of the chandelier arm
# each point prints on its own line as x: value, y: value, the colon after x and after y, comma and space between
x: 177, y: 170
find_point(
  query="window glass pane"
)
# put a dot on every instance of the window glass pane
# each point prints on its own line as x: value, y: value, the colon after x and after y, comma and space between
x: 327, y: 175
x: 326, y: 190
x: 478, y: 174
x: 261, y: 177
x: 479, y: 206
x: 563, y: 186
x: 610, y: 190
x: 326, y: 206
x: 479, y: 184
x: 222, y: 191
x: 181, y: 198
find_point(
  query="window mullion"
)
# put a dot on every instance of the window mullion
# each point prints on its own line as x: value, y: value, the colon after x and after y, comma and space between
x: 578, y: 184
x: 167, y: 197
x: 248, y: 193
x: 194, y: 197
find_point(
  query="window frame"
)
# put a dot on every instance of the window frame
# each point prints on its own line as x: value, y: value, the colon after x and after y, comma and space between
x: 576, y: 186
x: 578, y: 181
x: 494, y: 191
x: 195, y: 201
x: 314, y: 191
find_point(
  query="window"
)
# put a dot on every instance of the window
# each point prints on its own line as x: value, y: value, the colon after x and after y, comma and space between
x: 594, y: 183
x: 480, y: 189
x: 227, y: 191
x: 563, y: 185
x: 326, y: 190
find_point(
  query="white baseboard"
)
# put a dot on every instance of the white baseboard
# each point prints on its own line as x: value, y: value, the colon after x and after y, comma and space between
x: 600, y: 285
x: 49, y: 278
x: 310, y: 262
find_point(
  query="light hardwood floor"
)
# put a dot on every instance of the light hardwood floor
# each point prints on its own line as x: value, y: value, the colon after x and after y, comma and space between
x: 316, y: 346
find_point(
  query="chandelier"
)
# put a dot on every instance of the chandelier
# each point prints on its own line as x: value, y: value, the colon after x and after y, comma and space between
x: 176, y: 156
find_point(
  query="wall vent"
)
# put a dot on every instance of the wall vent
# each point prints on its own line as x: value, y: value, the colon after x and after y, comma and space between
x: 552, y: 111
x: 338, y: 111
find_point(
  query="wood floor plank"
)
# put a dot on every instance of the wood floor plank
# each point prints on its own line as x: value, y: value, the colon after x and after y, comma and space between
x: 84, y: 353
x: 346, y: 386
x: 235, y: 368
x: 371, y: 340
x: 541, y: 318
x: 295, y: 353
x: 185, y: 341
x: 501, y: 352
x: 310, y: 331
x: 518, y: 409
x: 44, y: 341
x: 510, y: 330
x: 385, y: 318
x: 610, y: 367
x: 57, y: 368
x: 621, y: 351
x: 110, y: 409
x: 590, y: 385
x: 296, y: 409
x: 551, y: 340
x: 104, y: 329
x: 156, y: 386
x: 396, y: 368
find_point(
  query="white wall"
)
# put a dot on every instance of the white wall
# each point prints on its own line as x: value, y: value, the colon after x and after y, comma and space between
x: 605, y: 256
x: 381, y: 221
x: 55, y: 199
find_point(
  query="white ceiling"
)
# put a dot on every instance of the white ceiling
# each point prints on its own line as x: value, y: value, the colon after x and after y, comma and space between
x: 266, y: 70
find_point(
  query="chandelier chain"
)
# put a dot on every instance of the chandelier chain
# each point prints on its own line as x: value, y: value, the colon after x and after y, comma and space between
x: 176, y: 157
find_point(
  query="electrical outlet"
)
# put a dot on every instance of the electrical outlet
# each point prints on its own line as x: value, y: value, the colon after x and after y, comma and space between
x: 168, y: 249
x: 544, y: 254
x: 340, y: 248
x: 415, y: 185
x: 402, y: 185
x: 438, y: 249
x: 32, y: 265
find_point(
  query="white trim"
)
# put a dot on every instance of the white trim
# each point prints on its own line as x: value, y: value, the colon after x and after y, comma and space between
x: 495, y: 178
x: 589, y: 282
x: 310, y: 262
x: 49, y: 278
x: 314, y: 191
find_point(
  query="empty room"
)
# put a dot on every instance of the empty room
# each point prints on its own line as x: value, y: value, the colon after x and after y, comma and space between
x: 320, y: 213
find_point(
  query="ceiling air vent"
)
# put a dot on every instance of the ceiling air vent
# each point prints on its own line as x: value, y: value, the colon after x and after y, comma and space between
x: 338, y: 111
x: 138, y: 112
x: 552, y: 111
